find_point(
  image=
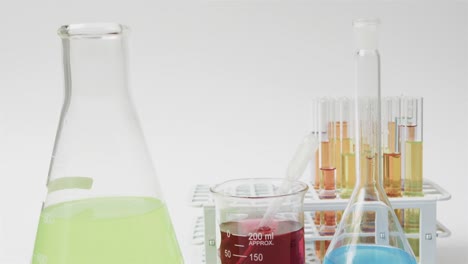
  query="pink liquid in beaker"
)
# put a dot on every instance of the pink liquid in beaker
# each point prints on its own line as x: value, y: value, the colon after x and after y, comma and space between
x: 243, y: 242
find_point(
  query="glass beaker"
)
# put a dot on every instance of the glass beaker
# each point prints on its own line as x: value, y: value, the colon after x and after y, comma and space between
x: 369, y: 232
x: 104, y: 204
x: 240, y: 207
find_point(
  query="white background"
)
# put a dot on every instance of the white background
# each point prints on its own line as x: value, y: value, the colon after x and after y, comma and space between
x: 223, y: 89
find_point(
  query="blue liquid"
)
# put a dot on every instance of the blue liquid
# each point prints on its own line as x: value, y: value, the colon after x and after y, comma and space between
x: 367, y: 254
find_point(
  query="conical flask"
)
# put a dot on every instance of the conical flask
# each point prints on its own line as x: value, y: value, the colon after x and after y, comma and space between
x: 104, y: 203
x: 369, y: 232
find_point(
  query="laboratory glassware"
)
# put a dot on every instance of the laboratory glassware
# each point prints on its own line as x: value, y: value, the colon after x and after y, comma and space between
x: 391, y: 146
x: 413, y: 140
x: 315, y: 129
x: 369, y: 231
x: 241, y: 205
x: 328, y: 140
x: 343, y: 143
x: 327, y: 148
x: 412, y: 111
x: 343, y: 152
x: 347, y: 157
x: 315, y: 168
x: 104, y: 202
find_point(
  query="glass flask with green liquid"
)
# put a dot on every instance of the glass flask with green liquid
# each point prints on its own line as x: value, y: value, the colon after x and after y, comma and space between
x: 369, y: 231
x: 104, y: 203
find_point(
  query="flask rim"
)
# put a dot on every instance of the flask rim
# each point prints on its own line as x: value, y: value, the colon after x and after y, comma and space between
x: 366, y: 22
x: 92, y: 30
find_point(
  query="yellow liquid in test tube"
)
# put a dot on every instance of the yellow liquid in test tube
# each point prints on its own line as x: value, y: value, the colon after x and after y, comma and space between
x: 348, y: 174
x: 413, y: 168
x: 328, y: 228
x: 392, y: 174
x: 413, y: 188
x: 339, y: 138
x: 411, y: 225
x: 327, y: 170
x: 341, y: 146
x: 326, y: 154
x: 392, y: 178
x: 317, y: 171
x: 392, y: 137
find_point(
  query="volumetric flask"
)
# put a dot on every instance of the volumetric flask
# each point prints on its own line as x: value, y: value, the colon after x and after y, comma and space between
x: 104, y: 204
x: 243, y: 235
x: 369, y: 231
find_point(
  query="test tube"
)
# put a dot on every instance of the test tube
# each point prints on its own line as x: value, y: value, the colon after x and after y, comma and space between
x: 391, y: 149
x: 348, y: 161
x: 327, y: 149
x: 321, y: 133
x: 343, y: 144
x: 413, y: 147
x: 328, y: 228
x: 315, y: 163
x: 319, y: 245
x: 346, y: 169
x: 327, y: 190
x: 341, y: 139
x: 347, y: 158
x: 412, y: 110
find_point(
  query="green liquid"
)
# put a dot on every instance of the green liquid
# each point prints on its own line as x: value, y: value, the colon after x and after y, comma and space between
x: 348, y: 180
x: 414, y: 169
x: 114, y: 230
x: 411, y: 220
x: 414, y: 188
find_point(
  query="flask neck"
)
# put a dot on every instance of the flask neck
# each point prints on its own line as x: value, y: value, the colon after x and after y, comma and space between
x: 368, y: 116
x: 95, y: 66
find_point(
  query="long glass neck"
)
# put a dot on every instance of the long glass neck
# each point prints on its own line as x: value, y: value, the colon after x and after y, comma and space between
x: 368, y: 116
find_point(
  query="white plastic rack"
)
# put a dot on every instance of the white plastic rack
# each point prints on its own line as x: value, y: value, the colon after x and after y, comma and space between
x: 204, y: 231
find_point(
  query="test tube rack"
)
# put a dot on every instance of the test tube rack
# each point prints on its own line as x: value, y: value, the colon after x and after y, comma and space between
x: 204, y: 230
